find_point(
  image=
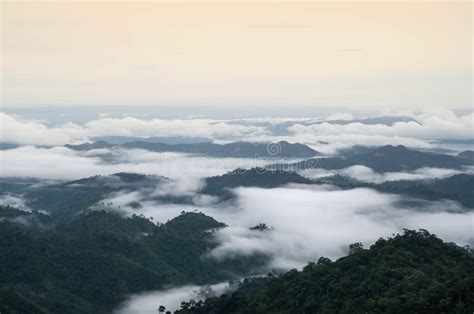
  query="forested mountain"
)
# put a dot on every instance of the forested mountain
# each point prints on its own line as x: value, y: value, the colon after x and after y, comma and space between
x: 63, y: 200
x: 119, y: 140
x: 384, y: 159
x: 256, y: 177
x: 411, y: 273
x: 91, y: 264
x: 457, y: 188
x: 468, y: 155
x: 281, y: 149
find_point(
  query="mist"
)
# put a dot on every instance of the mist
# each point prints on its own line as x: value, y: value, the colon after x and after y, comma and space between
x: 307, y: 222
x: 149, y: 302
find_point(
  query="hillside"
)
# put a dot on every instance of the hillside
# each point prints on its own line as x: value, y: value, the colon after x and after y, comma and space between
x: 455, y: 188
x: 411, y: 273
x: 255, y: 177
x: 91, y: 264
x: 384, y: 159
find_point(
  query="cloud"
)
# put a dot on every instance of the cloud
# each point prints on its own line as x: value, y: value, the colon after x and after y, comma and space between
x: 412, y: 134
x: 312, y: 221
x: 309, y: 223
x: 366, y: 174
x: 63, y: 163
x: 309, y: 130
x: 32, y: 132
x: 14, y: 201
x: 149, y: 302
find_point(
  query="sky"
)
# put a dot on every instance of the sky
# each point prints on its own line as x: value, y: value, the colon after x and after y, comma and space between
x: 354, y: 54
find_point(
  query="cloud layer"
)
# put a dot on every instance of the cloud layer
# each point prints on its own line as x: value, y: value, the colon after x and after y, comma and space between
x: 366, y: 174
x: 412, y: 133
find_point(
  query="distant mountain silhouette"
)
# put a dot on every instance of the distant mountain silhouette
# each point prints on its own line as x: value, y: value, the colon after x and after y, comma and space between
x: 256, y: 177
x: 281, y: 149
x: 384, y: 159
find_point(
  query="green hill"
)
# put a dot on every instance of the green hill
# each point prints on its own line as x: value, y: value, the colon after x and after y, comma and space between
x: 90, y: 265
x: 411, y: 273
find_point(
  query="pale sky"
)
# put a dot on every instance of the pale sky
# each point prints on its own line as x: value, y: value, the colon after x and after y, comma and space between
x: 354, y: 54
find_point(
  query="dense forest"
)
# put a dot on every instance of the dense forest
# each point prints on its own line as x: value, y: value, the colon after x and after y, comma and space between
x: 91, y: 264
x: 69, y: 255
x: 411, y: 273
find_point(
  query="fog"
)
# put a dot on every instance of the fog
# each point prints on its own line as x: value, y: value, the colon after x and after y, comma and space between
x: 310, y: 221
x: 66, y: 164
x: 425, y: 126
x: 306, y: 222
x: 149, y: 302
x: 366, y: 174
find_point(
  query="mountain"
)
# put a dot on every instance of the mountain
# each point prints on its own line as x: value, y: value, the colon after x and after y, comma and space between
x: 170, y: 140
x: 90, y: 146
x: 255, y: 177
x: 383, y: 159
x: 71, y: 198
x: 65, y: 200
x: 281, y: 149
x: 91, y: 264
x: 411, y: 273
x: 467, y: 155
x: 455, y: 188
x: 385, y: 120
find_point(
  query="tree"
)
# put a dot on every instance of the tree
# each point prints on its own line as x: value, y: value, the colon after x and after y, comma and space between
x: 161, y: 309
x: 355, y: 247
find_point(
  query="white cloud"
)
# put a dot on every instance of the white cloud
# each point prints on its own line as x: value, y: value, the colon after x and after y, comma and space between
x: 14, y: 201
x: 34, y: 133
x: 148, y: 302
x: 310, y: 223
x: 63, y: 163
x: 431, y: 125
x: 366, y: 174
x: 314, y: 221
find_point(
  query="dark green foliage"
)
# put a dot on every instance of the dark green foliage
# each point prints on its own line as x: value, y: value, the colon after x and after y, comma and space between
x: 89, y: 265
x: 12, y: 302
x: 411, y: 273
x: 11, y: 212
x: 32, y: 219
x: 260, y: 227
x: 258, y: 177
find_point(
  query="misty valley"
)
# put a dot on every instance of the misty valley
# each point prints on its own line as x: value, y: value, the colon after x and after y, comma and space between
x: 184, y: 225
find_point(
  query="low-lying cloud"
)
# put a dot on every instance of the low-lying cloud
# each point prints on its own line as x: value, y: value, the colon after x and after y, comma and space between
x: 312, y: 221
x: 366, y: 174
x: 63, y: 163
x: 311, y: 131
x: 148, y: 303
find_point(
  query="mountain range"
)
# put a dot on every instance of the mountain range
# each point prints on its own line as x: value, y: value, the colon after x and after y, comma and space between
x: 281, y: 149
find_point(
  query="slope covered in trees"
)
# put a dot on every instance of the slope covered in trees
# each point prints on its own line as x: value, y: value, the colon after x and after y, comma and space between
x: 91, y: 264
x: 411, y: 273
x: 255, y: 177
